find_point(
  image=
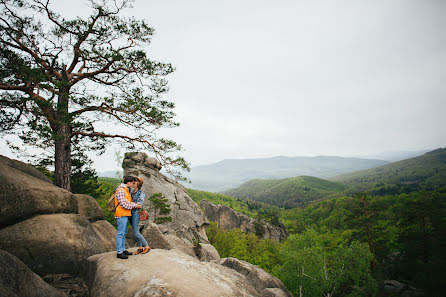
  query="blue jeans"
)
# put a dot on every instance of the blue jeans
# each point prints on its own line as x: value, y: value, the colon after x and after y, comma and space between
x: 123, y: 223
x: 135, y: 227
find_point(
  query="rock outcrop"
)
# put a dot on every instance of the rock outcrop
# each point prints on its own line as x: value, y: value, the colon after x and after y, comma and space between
x: 227, y: 218
x: 88, y: 207
x: 25, y: 168
x: 49, y: 229
x: 187, y: 227
x: 56, y: 243
x: 23, y: 196
x: 17, y: 280
x: 64, y: 240
x: 173, y: 273
x: 395, y: 288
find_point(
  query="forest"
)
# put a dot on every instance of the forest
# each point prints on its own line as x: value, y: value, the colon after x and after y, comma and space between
x: 349, y: 242
x: 348, y: 246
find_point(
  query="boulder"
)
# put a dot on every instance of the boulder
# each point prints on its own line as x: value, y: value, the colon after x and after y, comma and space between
x: 69, y: 285
x: 207, y: 252
x: 25, y: 168
x: 258, y: 277
x: 55, y: 243
x: 106, y: 233
x: 187, y: 217
x: 23, y: 196
x: 89, y: 207
x: 227, y: 218
x: 395, y: 288
x: 17, y: 280
x: 167, y: 273
x: 154, y: 237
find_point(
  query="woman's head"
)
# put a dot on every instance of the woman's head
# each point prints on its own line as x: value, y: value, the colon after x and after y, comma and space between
x: 139, y: 182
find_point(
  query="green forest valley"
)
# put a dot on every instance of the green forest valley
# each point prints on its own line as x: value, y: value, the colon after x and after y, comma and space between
x: 348, y: 242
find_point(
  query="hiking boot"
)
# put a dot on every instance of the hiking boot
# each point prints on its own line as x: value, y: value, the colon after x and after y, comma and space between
x: 127, y: 253
x: 146, y: 250
x: 139, y: 250
x: 122, y: 256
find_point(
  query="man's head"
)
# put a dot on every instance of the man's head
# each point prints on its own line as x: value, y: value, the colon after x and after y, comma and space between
x: 129, y: 181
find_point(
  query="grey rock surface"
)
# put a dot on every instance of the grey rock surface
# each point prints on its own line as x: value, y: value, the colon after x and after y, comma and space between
x: 23, y: 196
x: 227, y: 218
x: 17, y: 280
x: 167, y: 273
x: 258, y: 277
x: 87, y: 206
x: 106, y: 234
x: 55, y: 243
x: 25, y: 168
x: 399, y: 289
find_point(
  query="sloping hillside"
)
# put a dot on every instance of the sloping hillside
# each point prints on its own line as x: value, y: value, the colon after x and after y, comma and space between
x: 289, y: 192
x: 426, y: 172
x: 229, y: 174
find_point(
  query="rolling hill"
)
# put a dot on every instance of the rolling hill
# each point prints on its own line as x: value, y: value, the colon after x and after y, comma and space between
x: 229, y: 174
x: 425, y: 172
x: 289, y: 192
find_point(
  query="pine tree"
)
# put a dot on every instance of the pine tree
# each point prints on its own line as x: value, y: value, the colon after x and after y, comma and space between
x: 60, y: 78
x: 161, y: 208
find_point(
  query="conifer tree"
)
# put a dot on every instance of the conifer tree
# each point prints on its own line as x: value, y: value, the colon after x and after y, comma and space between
x: 61, y: 79
x: 161, y: 208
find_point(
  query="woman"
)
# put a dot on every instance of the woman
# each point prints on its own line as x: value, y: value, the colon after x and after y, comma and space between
x: 138, y: 197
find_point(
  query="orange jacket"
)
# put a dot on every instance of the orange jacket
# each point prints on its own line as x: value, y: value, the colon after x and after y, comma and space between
x: 121, y: 211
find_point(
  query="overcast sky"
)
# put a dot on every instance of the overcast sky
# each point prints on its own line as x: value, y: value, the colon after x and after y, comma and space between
x: 259, y: 78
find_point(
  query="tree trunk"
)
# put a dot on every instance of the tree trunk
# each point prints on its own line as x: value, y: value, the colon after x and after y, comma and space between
x: 62, y: 139
x: 62, y: 170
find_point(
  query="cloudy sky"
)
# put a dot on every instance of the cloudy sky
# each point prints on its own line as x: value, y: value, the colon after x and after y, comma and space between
x: 262, y: 78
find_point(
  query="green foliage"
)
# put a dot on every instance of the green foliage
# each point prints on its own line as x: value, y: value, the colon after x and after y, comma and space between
x: 426, y: 172
x: 160, y: 207
x: 248, y: 247
x: 404, y: 233
x: 289, y: 192
x: 108, y: 187
x: 310, y: 269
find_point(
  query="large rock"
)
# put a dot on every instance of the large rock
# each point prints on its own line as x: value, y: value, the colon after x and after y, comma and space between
x: 260, y: 279
x: 89, y: 207
x: 227, y: 218
x: 169, y: 273
x: 25, y: 168
x: 56, y: 243
x: 185, y: 213
x: 154, y: 237
x: 395, y: 288
x: 17, y: 280
x: 106, y: 233
x: 23, y: 196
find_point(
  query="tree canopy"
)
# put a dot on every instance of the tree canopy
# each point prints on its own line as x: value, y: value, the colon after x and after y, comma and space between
x: 62, y: 79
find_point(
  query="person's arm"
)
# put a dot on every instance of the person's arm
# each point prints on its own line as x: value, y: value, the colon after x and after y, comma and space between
x: 120, y: 196
x: 141, y: 197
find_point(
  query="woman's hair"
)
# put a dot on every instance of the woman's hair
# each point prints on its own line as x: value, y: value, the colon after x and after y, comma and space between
x: 138, y: 183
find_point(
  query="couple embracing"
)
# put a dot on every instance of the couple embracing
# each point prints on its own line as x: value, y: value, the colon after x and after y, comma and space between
x: 127, y: 205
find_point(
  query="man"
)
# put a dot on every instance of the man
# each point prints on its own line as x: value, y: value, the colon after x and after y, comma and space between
x: 124, y: 206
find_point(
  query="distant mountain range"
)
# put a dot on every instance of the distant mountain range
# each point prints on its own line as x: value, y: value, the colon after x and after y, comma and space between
x: 423, y: 173
x: 231, y: 173
x: 393, y: 156
x: 113, y: 174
